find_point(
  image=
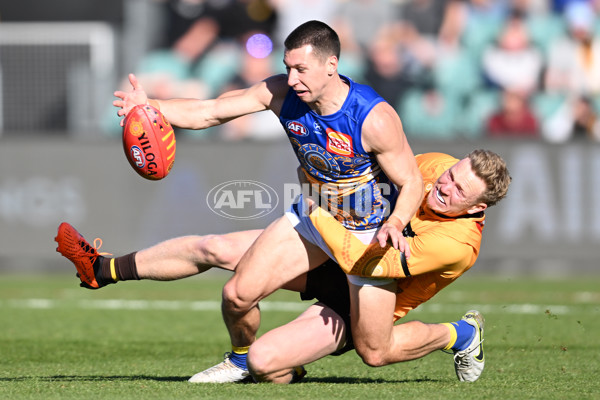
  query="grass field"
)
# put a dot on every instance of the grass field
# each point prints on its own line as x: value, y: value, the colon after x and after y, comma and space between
x: 142, y: 340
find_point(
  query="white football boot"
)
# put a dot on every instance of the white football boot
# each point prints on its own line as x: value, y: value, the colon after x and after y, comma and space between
x: 468, y: 363
x: 223, y: 372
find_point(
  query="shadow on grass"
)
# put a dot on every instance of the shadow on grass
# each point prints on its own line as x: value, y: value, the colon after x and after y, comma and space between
x: 131, y: 378
x: 351, y: 380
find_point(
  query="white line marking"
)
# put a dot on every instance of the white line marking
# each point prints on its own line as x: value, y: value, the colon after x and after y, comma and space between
x: 119, y: 304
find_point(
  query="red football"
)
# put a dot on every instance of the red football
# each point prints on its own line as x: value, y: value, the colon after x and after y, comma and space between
x: 149, y: 142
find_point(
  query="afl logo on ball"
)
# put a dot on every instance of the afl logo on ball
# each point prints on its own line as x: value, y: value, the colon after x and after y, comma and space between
x: 137, y: 155
x: 242, y: 200
x: 297, y: 128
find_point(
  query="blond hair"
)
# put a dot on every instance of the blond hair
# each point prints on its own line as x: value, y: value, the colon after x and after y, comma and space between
x: 490, y: 168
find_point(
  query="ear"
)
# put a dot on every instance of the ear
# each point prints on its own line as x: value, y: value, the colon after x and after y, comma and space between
x: 332, y: 64
x: 477, y: 208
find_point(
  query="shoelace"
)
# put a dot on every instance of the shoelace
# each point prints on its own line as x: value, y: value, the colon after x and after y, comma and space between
x: 97, y: 247
x: 85, y: 248
x: 460, y: 358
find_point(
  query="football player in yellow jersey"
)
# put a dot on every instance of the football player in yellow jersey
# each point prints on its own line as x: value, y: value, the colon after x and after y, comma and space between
x: 444, y: 239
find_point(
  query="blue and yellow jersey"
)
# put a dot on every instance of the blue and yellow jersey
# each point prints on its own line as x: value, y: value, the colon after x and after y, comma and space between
x: 329, y: 148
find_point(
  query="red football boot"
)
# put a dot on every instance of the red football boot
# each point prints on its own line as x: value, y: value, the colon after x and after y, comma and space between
x: 74, y: 247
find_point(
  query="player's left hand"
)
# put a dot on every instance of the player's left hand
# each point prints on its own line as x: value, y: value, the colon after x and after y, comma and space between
x: 392, y: 231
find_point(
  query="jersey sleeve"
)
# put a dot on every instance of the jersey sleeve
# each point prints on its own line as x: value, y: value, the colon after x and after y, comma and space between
x: 435, y: 252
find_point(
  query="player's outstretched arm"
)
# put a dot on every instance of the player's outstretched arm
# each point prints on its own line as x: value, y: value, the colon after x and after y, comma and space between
x: 202, y: 114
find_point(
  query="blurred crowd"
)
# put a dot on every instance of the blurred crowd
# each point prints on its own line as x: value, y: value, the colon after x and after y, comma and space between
x: 451, y: 68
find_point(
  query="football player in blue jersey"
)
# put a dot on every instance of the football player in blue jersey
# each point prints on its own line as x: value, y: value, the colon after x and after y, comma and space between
x: 359, y: 157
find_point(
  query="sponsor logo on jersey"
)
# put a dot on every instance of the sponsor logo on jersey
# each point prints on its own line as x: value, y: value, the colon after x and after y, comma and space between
x: 339, y: 143
x: 318, y: 129
x: 297, y: 128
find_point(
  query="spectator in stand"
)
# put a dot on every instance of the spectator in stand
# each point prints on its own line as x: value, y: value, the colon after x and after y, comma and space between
x: 573, y: 75
x: 398, y: 59
x: 258, y: 126
x: 587, y: 123
x: 388, y: 68
x: 361, y: 21
x: 574, y: 61
x: 532, y: 7
x: 419, y: 50
x: 513, y: 63
x: 576, y: 118
x: 514, y: 118
x: 425, y: 15
x: 460, y: 16
x: 195, y: 26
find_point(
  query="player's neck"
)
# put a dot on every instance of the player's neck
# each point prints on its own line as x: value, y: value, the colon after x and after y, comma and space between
x: 333, y: 97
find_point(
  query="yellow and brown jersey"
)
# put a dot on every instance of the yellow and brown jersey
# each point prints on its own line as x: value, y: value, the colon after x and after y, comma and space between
x: 441, y: 248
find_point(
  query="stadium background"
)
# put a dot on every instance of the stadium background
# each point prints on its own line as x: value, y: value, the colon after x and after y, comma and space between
x: 61, y: 156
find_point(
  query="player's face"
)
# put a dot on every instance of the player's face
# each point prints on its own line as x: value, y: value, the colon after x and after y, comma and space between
x: 307, y: 74
x: 457, y: 190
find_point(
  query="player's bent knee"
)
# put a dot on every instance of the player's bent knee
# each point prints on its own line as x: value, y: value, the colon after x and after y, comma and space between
x: 232, y: 302
x: 371, y: 357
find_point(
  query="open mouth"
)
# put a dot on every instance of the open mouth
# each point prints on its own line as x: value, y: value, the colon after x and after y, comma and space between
x: 438, y: 195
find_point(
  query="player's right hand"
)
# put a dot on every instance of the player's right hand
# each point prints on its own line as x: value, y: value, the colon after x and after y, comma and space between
x: 130, y: 99
x: 391, y: 232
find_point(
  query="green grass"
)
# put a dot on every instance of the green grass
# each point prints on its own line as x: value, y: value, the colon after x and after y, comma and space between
x: 60, y: 341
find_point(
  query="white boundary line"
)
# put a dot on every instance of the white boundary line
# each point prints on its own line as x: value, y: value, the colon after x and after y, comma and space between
x: 182, y: 305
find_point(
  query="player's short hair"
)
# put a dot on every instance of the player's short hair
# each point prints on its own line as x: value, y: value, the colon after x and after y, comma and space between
x: 490, y: 168
x: 324, y: 40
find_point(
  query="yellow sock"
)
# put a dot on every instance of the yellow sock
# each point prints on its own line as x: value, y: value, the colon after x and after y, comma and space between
x: 353, y: 256
x: 240, y: 350
x: 453, y: 335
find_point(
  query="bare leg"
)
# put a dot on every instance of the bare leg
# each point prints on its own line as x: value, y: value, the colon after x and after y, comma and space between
x: 190, y: 255
x: 377, y: 340
x: 277, y: 256
x: 316, y: 333
x: 416, y: 339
